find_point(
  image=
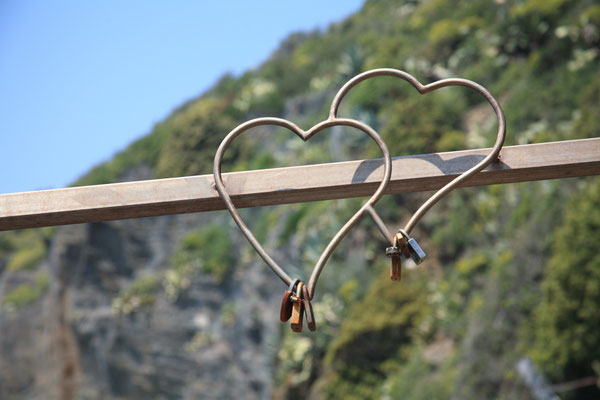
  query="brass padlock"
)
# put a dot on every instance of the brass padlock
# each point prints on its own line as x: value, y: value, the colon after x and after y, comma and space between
x: 297, y: 309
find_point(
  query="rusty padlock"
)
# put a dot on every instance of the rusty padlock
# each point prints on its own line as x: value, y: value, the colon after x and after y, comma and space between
x: 297, y: 309
x: 396, y: 261
x: 286, y: 303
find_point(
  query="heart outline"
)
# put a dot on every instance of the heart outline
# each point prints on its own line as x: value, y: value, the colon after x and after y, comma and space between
x: 492, y: 156
x: 305, y: 135
x: 367, y: 208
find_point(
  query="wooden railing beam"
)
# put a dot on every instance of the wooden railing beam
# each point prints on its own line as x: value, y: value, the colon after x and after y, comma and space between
x: 294, y: 184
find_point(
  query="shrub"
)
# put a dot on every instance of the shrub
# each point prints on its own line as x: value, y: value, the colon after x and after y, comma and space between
x: 27, y: 257
x: 25, y: 294
x: 141, y: 293
x: 567, y: 319
x: 206, y: 250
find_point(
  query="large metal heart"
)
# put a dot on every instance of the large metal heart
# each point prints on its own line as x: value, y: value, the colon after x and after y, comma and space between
x: 423, y: 89
x: 367, y: 207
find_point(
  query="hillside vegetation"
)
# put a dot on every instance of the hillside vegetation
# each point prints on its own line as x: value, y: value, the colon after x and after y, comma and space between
x: 513, y: 270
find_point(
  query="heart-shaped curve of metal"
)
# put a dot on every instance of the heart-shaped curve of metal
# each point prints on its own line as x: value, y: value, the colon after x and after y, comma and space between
x: 423, y: 89
x: 367, y: 207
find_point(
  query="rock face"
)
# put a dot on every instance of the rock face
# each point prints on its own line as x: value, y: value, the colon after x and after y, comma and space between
x: 72, y: 344
x: 214, y: 340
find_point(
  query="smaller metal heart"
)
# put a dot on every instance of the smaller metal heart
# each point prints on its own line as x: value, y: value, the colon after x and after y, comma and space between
x: 367, y: 207
x: 423, y: 89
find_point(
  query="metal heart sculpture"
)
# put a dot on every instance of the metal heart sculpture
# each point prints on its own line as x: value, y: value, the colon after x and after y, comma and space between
x: 423, y: 89
x: 367, y: 208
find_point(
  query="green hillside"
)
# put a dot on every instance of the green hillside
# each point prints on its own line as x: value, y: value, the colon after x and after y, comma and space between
x: 513, y: 270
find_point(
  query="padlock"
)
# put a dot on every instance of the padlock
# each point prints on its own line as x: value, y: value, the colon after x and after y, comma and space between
x: 297, y: 309
x: 286, y: 303
x: 396, y: 268
x: 310, y: 316
x: 403, y: 245
x: 396, y: 262
x: 416, y: 252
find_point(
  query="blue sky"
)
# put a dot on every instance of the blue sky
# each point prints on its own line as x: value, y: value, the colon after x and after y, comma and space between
x: 79, y: 80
